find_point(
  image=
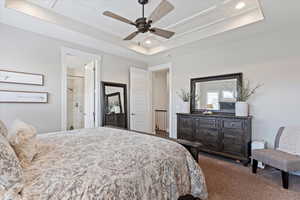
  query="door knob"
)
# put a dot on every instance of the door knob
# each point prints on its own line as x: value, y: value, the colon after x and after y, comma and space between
x: 133, y: 114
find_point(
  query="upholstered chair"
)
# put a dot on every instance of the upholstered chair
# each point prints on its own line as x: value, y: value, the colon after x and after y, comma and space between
x: 285, y: 156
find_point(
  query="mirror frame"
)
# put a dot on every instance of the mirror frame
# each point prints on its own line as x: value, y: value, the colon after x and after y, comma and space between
x: 237, y: 76
x: 120, y: 85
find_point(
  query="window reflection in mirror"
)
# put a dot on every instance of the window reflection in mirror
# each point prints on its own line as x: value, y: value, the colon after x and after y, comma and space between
x: 215, y: 95
x: 114, y: 99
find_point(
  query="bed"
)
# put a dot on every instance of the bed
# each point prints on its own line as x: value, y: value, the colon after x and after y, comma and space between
x: 111, y: 164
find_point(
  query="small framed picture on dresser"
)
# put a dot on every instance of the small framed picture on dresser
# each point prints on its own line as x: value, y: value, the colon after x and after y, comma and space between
x: 24, y: 78
x: 7, y: 96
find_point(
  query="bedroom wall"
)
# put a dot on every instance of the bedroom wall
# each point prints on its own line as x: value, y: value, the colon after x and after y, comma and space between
x: 272, y: 59
x: 29, y: 52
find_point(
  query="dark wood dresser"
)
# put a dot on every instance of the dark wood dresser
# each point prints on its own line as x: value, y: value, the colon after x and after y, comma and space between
x: 220, y: 134
x: 115, y: 120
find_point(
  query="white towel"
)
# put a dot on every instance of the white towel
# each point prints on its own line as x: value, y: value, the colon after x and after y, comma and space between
x: 290, y: 141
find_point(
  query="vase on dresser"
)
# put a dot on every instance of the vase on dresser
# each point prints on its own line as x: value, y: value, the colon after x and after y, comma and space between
x: 241, y: 109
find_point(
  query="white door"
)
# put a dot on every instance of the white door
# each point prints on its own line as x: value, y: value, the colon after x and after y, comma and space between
x: 140, y: 109
x: 89, y: 96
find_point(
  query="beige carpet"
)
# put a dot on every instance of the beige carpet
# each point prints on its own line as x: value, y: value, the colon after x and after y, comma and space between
x: 227, y: 180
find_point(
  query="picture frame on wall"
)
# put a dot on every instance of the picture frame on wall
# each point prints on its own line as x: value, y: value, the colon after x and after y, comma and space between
x: 23, y: 78
x: 10, y: 96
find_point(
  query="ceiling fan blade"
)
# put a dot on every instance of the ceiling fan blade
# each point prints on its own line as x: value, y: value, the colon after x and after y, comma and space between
x: 117, y: 17
x: 162, y: 33
x: 131, y: 36
x: 162, y: 10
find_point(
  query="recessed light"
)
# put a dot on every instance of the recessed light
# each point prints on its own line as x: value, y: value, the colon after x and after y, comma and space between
x: 148, y: 42
x: 240, y: 5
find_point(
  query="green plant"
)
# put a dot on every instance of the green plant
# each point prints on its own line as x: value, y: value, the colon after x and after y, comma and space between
x: 184, y: 95
x: 246, y: 91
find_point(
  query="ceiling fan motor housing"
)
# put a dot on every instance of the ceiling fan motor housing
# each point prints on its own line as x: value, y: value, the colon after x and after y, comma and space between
x: 143, y: 2
x: 142, y: 25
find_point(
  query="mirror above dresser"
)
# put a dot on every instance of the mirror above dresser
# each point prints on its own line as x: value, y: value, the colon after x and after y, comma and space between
x: 216, y: 94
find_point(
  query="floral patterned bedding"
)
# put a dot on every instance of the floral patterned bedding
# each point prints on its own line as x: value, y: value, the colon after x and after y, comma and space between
x: 111, y: 164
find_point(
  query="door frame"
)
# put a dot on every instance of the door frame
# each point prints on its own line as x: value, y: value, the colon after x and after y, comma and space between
x: 98, y: 61
x: 166, y: 66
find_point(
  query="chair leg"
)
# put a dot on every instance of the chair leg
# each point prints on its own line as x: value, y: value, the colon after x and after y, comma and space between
x: 254, y: 166
x: 285, y: 179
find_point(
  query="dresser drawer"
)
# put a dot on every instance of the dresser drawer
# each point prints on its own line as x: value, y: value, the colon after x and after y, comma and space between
x: 207, y: 134
x: 185, y: 128
x: 236, y: 124
x: 208, y: 137
x: 206, y: 123
x: 234, y: 149
x: 233, y: 137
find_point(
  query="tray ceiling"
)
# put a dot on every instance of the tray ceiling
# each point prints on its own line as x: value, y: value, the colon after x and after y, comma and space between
x: 191, y: 20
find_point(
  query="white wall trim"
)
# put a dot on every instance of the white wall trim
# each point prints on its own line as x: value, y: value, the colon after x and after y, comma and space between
x: 166, y: 66
x: 160, y: 67
x: 98, y: 62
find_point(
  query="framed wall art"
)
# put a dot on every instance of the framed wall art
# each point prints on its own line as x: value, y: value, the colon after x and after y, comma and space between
x: 7, y: 96
x: 21, y: 78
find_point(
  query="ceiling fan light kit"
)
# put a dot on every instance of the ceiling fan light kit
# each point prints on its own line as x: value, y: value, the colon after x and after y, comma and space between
x: 144, y: 24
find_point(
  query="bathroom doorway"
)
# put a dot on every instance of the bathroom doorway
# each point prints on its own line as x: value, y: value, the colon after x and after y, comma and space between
x: 80, y: 85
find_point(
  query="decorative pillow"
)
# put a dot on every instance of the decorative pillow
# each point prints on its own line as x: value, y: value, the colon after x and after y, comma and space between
x: 3, y: 129
x: 11, y: 174
x: 22, y: 137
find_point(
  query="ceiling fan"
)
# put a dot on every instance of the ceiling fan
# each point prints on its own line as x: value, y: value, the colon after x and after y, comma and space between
x: 144, y: 24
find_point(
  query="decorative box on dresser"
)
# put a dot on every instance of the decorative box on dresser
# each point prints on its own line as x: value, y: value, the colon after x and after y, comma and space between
x: 221, y: 134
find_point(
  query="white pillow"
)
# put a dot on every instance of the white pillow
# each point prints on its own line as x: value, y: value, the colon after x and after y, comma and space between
x: 22, y: 137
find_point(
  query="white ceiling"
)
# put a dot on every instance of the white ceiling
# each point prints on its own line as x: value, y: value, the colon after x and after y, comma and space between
x: 191, y: 20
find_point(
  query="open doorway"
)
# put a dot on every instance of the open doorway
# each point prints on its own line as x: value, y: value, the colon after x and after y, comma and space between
x: 160, y: 102
x: 80, y: 96
x: 147, y: 88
